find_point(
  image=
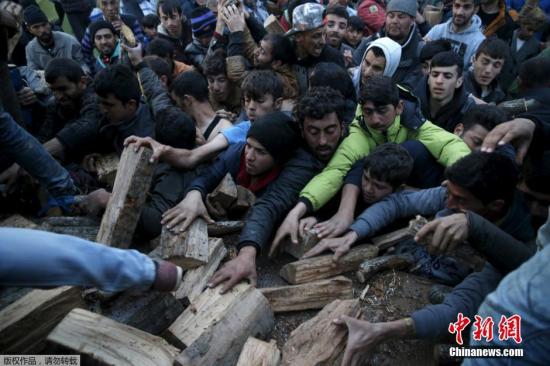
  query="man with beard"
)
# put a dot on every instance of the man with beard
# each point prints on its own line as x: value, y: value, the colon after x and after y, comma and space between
x: 463, y: 30
x: 336, y: 25
x: 47, y: 44
x: 106, y: 44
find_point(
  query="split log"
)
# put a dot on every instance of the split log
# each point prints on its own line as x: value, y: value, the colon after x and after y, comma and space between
x: 311, y: 295
x: 70, y: 221
x: 272, y: 25
x: 106, y: 167
x: 386, y: 241
x: 225, y: 193
x: 319, y: 341
x: 221, y: 228
x: 18, y: 221
x: 129, y: 191
x: 317, y: 268
x: 245, y: 200
x: 370, y: 267
x: 84, y: 232
x: 25, y: 323
x: 107, y: 342
x: 195, y: 280
x: 305, y: 243
x: 187, y: 250
x: 259, y: 353
x: 215, y: 327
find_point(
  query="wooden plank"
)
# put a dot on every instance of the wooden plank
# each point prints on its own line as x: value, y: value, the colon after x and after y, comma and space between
x: 25, y: 323
x: 187, y: 250
x: 106, y: 167
x: 107, y: 342
x: 195, y: 280
x: 308, y: 241
x: 388, y: 240
x: 311, y: 295
x: 129, y: 192
x: 370, y: 267
x: 318, y: 341
x: 215, y: 327
x: 18, y: 221
x: 221, y: 228
x: 317, y: 268
x: 225, y: 193
x: 259, y: 353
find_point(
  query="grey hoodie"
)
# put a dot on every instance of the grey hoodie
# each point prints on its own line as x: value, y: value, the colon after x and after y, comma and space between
x: 464, y: 43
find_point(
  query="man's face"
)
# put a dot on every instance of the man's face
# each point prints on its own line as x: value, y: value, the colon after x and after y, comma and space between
x: 461, y: 199
x: 353, y: 36
x: 380, y: 117
x: 373, y: 190
x: 111, y: 9
x: 322, y: 135
x: 218, y: 86
x: 473, y: 137
x: 256, y: 108
x: 105, y: 41
x: 372, y: 66
x: 258, y: 161
x: 65, y: 92
x: 312, y: 42
x: 151, y: 32
x: 443, y: 81
x: 172, y: 22
x: 526, y: 31
x: 335, y: 28
x: 398, y: 25
x: 42, y: 31
x: 463, y: 11
x: 262, y: 55
x: 114, y: 110
x: 486, y: 69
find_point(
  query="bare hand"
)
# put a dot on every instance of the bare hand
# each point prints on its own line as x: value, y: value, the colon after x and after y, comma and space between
x: 26, y: 96
x: 135, y: 54
x: 335, y: 226
x: 363, y: 336
x: 158, y: 148
x: 95, y: 202
x: 519, y: 132
x: 233, y: 17
x: 241, y: 267
x: 222, y: 113
x: 448, y: 232
x: 289, y: 228
x: 339, y: 246
x: 306, y: 225
x: 185, y: 212
x: 117, y: 24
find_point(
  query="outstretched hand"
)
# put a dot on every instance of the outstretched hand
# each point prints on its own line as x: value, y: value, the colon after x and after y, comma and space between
x: 362, y: 337
x: 518, y: 132
x: 339, y: 246
x: 158, y: 149
x: 445, y: 234
x: 243, y: 266
x: 179, y: 217
x: 135, y: 54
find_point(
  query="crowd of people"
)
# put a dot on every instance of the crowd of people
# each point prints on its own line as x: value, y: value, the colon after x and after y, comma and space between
x: 341, y: 117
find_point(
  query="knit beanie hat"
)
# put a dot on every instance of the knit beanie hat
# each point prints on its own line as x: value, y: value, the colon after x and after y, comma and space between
x: 100, y: 24
x: 203, y: 22
x: 33, y: 15
x: 403, y: 6
x: 277, y: 133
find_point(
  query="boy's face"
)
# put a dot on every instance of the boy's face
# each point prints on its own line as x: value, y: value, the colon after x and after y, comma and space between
x: 354, y: 36
x: 381, y: 117
x: 473, y: 137
x: 256, y: 108
x: 373, y: 190
x: 114, y: 110
x: 258, y: 161
x: 460, y: 198
x: 218, y: 86
x: 323, y: 135
x: 486, y: 69
x: 372, y: 66
x: 443, y: 81
x: 151, y: 32
x: 335, y: 28
x: 172, y: 22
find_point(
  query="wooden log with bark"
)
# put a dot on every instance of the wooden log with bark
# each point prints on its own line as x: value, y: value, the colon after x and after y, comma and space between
x: 187, y: 250
x: 25, y: 323
x: 103, y: 341
x: 245, y: 200
x: 225, y: 193
x: 317, y: 268
x: 370, y: 267
x: 213, y: 329
x: 311, y: 295
x: 129, y: 192
x: 259, y: 353
x: 319, y: 341
x: 305, y: 243
x: 221, y: 228
x: 388, y: 240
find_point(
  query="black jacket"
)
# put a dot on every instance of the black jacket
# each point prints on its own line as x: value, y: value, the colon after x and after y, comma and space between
x: 303, y: 67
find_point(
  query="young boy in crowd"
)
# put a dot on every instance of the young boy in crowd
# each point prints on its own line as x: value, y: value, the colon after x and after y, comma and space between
x: 354, y: 32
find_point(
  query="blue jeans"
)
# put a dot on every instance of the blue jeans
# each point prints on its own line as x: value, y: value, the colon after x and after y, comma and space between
x: 33, y: 258
x: 26, y: 151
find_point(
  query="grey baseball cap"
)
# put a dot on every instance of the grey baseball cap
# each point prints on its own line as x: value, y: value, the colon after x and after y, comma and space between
x: 306, y: 17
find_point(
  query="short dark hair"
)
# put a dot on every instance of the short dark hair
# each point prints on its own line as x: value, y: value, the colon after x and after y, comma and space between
x: 355, y: 22
x: 494, y: 47
x: 150, y: 21
x: 390, y: 163
x: 63, y: 67
x: 485, y: 115
x: 533, y: 73
x: 335, y: 76
x: 380, y: 90
x: 191, y: 83
x: 175, y: 128
x: 448, y: 58
x: 432, y: 48
x: 476, y: 2
x: 259, y: 83
x: 161, y: 48
x: 377, y: 51
x: 488, y: 177
x: 169, y: 7
x: 320, y: 101
x: 338, y: 10
x: 281, y: 48
x: 159, y: 66
x: 120, y: 81
x: 214, y: 64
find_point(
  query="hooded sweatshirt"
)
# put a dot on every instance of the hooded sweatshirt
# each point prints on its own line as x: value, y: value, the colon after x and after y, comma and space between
x: 464, y: 43
x: 392, y: 54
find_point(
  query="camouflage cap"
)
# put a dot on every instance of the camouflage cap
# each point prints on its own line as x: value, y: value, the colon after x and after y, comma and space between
x: 306, y: 17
